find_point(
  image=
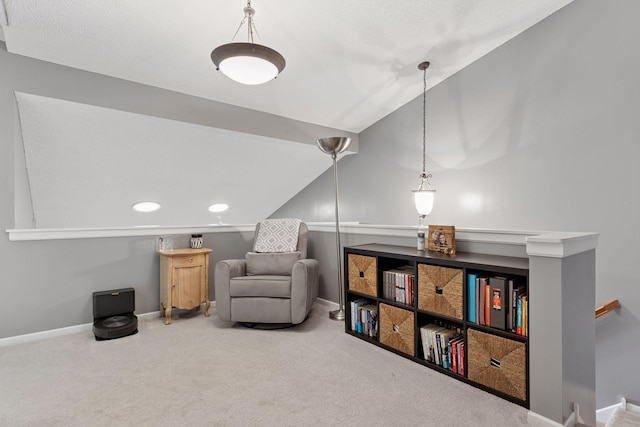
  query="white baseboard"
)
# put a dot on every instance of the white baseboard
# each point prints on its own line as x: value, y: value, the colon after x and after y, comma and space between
x: 630, y: 406
x: 603, y: 415
x: 52, y: 333
x: 537, y: 420
x: 332, y: 305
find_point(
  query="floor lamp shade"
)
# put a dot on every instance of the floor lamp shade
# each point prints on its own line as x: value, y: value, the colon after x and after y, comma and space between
x: 335, y: 146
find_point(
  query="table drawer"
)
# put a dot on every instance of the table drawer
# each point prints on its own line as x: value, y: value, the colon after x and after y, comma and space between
x: 188, y: 260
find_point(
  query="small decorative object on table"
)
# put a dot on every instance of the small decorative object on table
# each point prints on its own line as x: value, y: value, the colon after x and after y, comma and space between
x: 442, y: 238
x: 165, y: 243
x: 422, y: 232
x: 196, y: 241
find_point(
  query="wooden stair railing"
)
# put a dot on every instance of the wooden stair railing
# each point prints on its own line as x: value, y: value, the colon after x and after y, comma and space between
x: 606, y: 308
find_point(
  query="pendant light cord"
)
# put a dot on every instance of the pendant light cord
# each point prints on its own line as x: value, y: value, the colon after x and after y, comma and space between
x: 251, y: 28
x: 424, y: 124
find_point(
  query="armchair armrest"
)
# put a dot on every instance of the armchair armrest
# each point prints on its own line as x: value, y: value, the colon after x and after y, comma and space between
x: 304, y: 288
x: 224, y: 272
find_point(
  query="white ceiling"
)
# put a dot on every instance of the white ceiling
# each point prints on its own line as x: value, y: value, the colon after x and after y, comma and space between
x: 349, y: 63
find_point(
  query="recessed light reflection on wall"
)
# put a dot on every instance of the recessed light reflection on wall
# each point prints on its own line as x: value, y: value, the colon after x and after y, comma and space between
x: 145, y: 206
x: 471, y: 202
x: 218, y: 207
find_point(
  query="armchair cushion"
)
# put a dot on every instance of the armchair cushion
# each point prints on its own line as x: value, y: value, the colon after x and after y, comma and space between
x: 279, y: 264
x: 261, y: 286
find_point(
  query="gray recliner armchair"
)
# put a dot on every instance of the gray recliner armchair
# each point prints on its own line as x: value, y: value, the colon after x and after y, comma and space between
x: 275, y: 284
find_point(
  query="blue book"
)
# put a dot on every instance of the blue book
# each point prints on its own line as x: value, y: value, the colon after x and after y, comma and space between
x: 471, y: 298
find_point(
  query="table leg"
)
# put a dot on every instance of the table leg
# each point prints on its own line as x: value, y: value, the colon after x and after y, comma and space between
x: 168, y: 320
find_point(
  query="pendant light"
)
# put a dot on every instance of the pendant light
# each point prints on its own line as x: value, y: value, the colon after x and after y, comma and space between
x: 424, y: 195
x: 248, y: 63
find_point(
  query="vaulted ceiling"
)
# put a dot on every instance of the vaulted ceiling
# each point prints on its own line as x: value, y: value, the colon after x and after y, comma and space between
x: 349, y: 62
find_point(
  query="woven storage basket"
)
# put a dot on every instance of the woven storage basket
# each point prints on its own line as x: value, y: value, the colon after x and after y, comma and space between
x: 498, y: 363
x: 362, y: 274
x: 440, y: 290
x: 397, y: 328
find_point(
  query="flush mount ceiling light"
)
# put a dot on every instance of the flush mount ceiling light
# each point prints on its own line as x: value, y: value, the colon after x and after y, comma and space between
x: 145, y: 206
x: 424, y: 195
x: 248, y: 63
x: 218, y: 207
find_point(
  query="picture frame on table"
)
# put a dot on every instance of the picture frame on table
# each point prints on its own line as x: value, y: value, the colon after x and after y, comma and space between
x: 442, y: 238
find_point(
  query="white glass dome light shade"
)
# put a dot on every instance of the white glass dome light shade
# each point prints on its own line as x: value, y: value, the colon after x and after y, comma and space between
x: 218, y: 207
x: 424, y: 201
x: 145, y: 206
x: 248, y: 70
x: 248, y: 63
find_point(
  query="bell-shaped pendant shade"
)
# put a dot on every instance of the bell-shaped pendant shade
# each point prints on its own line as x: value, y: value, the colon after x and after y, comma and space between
x: 424, y: 201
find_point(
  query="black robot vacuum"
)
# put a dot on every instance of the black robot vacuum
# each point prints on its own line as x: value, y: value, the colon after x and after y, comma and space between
x: 113, y: 314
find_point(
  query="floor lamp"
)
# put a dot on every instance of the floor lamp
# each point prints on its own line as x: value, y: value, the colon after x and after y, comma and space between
x: 335, y: 146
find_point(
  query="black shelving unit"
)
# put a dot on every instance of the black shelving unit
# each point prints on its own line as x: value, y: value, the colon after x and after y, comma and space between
x: 495, y: 360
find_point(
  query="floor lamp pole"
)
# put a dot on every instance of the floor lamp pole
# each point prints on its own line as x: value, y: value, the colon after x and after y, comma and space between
x: 339, y: 313
x: 335, y: 146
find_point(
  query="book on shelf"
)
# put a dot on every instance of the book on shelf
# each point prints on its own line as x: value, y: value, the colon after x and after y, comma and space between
x: 368, y: 315
x: 471, y: 297
x: 427, y: 335
x: 525, y: 315
x: 498, y: 304
x: 446, y: 336
x: 487, y: 302
x: 355, y: 312
x: 481, y: 284
x: 520, y: 319
x: 454, y: 354
x: 426, y: 343
x: 398, y: 284
x: 461, y: 364
x: 521, y: 314
x: 437, y: 344
x: 509, y: 326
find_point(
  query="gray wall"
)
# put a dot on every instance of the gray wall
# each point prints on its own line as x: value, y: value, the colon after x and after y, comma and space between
x: 542, y: 134
x: 48, y: 284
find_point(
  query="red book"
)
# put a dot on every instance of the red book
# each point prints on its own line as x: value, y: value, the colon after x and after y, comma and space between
x: 455, y: 355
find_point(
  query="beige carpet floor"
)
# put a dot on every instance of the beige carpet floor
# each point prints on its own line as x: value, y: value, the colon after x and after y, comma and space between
x: 204, y: 372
